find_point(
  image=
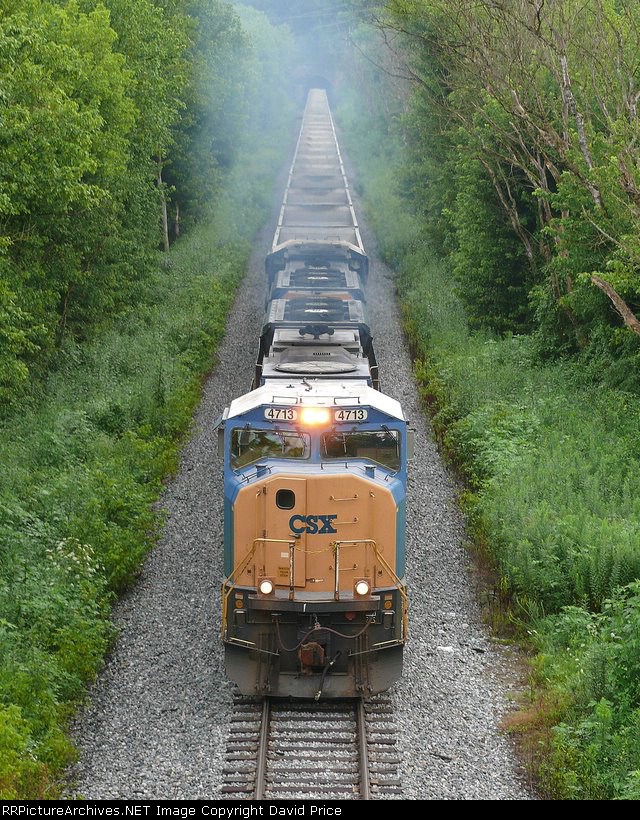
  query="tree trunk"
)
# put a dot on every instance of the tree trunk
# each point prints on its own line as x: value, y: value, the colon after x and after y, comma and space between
x: 620, y: 305
x: 164, y: 220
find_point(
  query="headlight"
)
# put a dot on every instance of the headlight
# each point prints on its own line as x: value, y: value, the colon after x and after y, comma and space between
x: 315, y: 416
x: 362, y: 588
x: 266, y: 586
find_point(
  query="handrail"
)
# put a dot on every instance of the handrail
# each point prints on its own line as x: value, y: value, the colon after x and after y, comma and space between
x: 402, y: 589
x: 230, y: 583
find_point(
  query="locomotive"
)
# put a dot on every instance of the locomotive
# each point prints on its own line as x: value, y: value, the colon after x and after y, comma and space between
x: 314, y: 602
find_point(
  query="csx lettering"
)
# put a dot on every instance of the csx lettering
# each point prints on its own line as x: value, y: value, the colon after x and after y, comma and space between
x: 312, y: 524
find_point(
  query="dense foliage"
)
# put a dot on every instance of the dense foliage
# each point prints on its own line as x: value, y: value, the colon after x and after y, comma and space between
x: 119, y: 122
x: 81, y: 472
x: 113, y: 115
x: 523, y: 136
x: 520, y: 293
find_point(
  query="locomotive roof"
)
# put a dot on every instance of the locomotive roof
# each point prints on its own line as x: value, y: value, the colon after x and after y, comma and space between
x: 308, y: 276
x: 341, y: 393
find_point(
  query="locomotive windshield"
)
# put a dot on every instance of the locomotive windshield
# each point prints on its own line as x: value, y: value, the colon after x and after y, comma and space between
x: 381, y: 446
x: 249, y: 445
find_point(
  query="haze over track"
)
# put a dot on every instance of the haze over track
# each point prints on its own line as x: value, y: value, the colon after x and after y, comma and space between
x: 156, y: 723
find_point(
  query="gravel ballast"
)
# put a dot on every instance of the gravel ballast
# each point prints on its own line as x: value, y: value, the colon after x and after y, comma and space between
x: 155, y: 723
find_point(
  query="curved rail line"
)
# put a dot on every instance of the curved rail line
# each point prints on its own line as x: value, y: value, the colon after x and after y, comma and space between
x: 302, y: 750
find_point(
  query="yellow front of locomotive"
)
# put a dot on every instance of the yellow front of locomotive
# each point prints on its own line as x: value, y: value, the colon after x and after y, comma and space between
x: 314, y: 604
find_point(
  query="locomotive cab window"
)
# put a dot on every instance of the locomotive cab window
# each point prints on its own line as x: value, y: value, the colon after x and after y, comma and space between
x: 286, y: 499
x: 380, y: 446
x: 249, y: 446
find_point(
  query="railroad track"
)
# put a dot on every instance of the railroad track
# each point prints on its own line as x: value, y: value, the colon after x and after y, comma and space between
x: 305, y: 750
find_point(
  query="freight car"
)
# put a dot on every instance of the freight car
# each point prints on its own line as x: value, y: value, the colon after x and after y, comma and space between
x: 314, y: 602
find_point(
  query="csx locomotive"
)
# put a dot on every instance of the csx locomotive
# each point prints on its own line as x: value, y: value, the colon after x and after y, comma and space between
x: 314, y: 604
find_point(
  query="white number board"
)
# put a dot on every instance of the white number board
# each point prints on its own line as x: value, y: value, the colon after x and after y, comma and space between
x: 280, y: 414
x: 351, y: 414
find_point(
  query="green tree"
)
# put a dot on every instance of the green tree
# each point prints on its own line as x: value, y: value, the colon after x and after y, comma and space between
x: 547, y: 96
x: 64, y: 143
x: 215, y: 108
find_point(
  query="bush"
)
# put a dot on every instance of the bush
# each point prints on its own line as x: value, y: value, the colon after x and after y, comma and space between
x: 20, y: 773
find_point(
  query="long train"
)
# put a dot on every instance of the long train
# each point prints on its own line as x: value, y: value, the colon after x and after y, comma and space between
x: 314, y: 602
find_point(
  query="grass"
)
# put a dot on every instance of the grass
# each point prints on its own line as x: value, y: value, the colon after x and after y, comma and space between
x: 553, y: 481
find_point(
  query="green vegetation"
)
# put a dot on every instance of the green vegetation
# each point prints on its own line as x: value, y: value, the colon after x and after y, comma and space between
x: 591, y: 666
x: 498, y: 157
x: 521, y: 160
x: 120, y: 120
x: 107, y: 112
x: 528, y: 372
x: 82, y: 469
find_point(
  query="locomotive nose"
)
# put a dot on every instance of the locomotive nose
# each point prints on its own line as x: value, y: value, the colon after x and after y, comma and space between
x: 328, y: 535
